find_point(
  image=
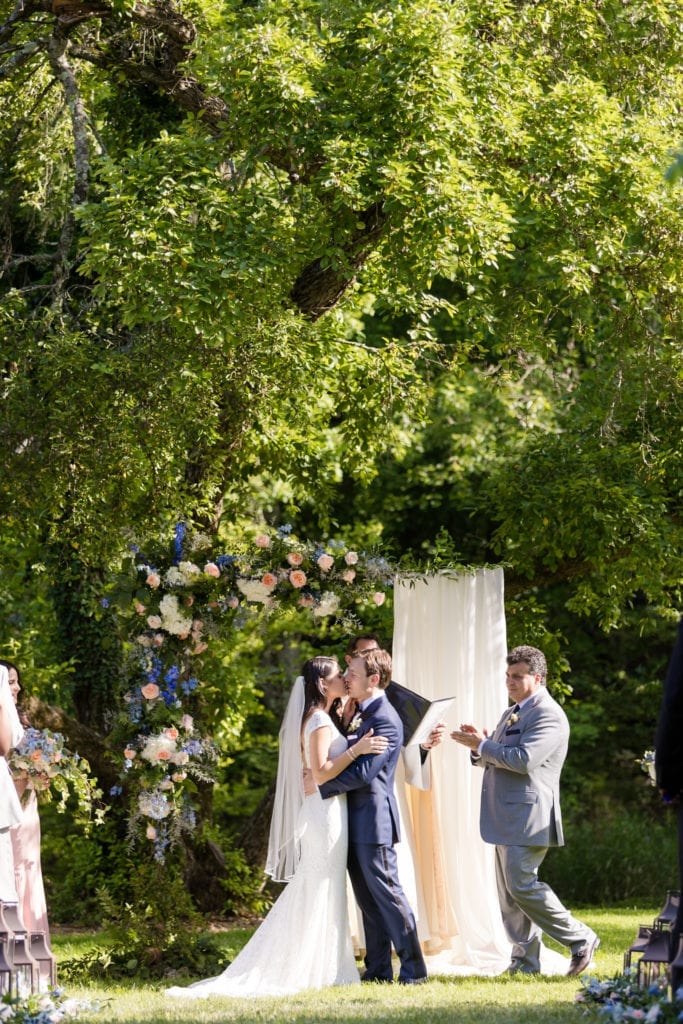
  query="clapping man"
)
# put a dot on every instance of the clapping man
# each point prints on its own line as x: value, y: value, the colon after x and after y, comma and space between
x: 520, y: 812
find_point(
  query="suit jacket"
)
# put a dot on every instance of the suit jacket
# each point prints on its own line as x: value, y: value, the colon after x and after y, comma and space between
x: 669, y: 742
x: 369, y: 781
x: 520, y: 794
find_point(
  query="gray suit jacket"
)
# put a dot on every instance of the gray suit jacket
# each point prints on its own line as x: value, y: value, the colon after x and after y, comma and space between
x: 522, y: 762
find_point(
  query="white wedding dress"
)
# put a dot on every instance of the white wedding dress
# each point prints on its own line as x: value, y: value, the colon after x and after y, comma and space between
x: 305, y: 941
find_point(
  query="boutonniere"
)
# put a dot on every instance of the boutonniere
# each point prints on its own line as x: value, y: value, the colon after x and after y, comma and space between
x: 354, y: 725
x: 514, y: 717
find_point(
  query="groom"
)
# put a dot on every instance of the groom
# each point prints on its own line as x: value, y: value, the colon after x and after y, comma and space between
x: 373, y: 828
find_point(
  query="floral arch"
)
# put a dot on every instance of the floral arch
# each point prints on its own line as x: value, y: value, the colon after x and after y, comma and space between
x: 173, y: 604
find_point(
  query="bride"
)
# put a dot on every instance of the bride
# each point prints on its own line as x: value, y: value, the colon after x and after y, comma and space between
x: 305, y: 941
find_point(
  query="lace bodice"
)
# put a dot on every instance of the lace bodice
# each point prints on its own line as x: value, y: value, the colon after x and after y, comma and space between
x: 318, y: 720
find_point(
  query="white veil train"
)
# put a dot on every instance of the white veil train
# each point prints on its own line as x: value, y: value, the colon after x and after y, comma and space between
x: 450, y: 641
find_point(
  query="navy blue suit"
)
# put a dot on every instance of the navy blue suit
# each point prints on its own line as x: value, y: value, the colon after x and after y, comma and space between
x: 373, y: 830
x: 669, y: 768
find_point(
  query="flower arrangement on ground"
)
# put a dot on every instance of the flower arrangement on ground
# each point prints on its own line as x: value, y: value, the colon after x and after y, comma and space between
x: 622, y: 1000
x: 50, y: 769
x: 175, y: 604
x: 44, y: 1008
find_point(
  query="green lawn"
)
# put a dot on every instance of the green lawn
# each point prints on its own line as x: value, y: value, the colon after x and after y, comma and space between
x: 481, y: 1000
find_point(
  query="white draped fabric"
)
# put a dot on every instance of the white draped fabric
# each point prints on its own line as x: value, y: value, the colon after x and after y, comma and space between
x: 450, y: 641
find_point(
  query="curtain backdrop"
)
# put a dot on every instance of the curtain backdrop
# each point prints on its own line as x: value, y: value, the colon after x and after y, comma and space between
x: 450, y: 641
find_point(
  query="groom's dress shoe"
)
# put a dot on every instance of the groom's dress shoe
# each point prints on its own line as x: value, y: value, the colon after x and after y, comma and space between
x: 413, y: 981
x: 369, y: 978
x: 581, y: 960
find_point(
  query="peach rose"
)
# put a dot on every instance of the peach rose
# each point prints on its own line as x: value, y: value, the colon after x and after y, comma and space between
x: 297, y: 578
x: 326, y: 562
x: 262, y: 541
x: 294, y: 558
x: 199, y: 647
x: 153, y: 580
x: 172, y: 732
x: 139, y: 608
x: 351, y: 557
x: 211, y: 569
x: 154, y: 621
x: 379, y: 598
x: 306, y: 602
x: 150, y: 691
x: 349, y: 575
x: 151, y: 832
x: 163, y: 755
x: 269, y: 580
x: 129, y: 753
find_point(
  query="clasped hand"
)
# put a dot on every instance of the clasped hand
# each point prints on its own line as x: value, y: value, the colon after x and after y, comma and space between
x: 469, y: 736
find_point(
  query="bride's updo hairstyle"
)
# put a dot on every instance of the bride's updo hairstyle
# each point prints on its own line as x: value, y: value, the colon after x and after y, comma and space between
x: 314, y: 673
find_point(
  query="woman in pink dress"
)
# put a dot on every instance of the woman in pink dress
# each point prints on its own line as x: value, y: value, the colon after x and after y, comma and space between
x: 26, y: 839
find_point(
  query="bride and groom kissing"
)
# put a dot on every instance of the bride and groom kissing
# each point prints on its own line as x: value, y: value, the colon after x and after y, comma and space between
x: 344, y: 814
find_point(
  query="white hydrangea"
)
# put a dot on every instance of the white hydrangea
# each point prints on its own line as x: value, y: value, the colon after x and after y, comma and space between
x: 254, y: 590
x: 328, y: 604
x: 172, y: 619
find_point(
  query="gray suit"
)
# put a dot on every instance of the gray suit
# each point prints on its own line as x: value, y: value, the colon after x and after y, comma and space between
x: 520, y: 814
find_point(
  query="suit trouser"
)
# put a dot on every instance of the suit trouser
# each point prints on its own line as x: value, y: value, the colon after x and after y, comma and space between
x: 387, y: 917
x: 530, y: 907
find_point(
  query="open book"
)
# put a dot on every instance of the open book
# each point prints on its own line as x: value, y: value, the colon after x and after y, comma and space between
x: 418, y: 715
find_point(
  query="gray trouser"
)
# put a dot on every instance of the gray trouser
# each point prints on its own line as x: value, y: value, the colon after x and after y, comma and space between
x: 530, y: 907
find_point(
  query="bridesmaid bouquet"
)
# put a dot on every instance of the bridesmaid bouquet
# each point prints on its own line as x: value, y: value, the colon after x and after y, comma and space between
x: 50, y: 769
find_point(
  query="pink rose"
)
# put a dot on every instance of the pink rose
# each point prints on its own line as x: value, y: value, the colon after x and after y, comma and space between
x: 151, y: 832
x: 379, y: 598
x: 268, y: 580
x: 211, y: 569
x: 297, y: 578
x: 326, y: 562
x: 154, y: 621
x: 150, y: 691
x: 139, y: 608
x: 233, y: 602
x: 187, y: 722
x: 163, y: 755
x: 294, y: 558
x: 262, y: 541
x: 129, y: 753
x: 153, y: 580
x: 351, y: 558
x: 172, y: 733
x: 349, y: 575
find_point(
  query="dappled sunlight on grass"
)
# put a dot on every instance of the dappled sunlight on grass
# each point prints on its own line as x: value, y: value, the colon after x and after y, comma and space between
x: 499, y: 1000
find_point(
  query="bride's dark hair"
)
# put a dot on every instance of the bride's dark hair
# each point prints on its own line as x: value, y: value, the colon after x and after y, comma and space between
x: 315, y: 672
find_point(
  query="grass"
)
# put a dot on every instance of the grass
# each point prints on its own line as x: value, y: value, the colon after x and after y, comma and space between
x: 468, y: 1000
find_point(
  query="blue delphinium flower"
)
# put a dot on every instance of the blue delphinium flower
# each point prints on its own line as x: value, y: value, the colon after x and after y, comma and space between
x: 178, y: 538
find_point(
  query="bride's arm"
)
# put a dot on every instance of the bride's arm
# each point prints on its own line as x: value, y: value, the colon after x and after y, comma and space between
x: 324, y: 769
